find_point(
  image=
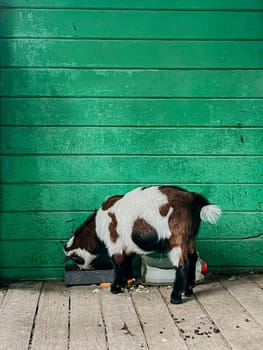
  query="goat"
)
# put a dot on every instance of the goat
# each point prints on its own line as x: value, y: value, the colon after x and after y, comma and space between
x: 144, y: 220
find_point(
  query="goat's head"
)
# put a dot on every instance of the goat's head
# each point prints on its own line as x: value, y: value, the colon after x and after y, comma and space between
x: 81, y: 256
x: 83, y: 245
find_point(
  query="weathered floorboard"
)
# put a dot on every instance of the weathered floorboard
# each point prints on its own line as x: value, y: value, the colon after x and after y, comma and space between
x: 248, y: 294
x: 3, y: 291
x: 87, y: 317
x: 158, y: 325
x: 258, y: 279
x: 51, y: 323
x: 235, y: 323
x: 17, y: 315
x: 196, y: 327
x: 86, y: 323
x: 122, y: 325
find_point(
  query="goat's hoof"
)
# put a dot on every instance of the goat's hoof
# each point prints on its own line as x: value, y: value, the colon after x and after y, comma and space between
x: 176, y: 301
x: 115, y: 289
x: 188, y: 293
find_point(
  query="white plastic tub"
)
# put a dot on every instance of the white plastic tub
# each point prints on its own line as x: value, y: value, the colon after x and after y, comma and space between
x: 161, y: 271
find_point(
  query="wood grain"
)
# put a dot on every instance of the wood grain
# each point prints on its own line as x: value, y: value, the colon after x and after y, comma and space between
x: 149, y: 54
x: 134, y: 24
x: 131, y: 112
x: 51, y: 324
x: 17, y: 315
x: 131, y: 141
x: 123, y: 327
x: 231, y: 318
x: 87, y: 197
x: 157, y: 323
x: 131, y: 83
x: 195, y: 326
x: 86, y: 322
x: 241, y: 289
x: 138, y: 4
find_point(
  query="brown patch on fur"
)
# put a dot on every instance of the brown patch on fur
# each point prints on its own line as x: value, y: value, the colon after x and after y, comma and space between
x: 164, y: 209
x: 179, y: 221
x: 109, y: 202
x: 141, y: 227
x: 113, y: 228
x: 87, y: 237
x: 118, y: 258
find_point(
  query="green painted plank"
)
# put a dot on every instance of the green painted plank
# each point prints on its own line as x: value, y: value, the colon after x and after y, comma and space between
x: 131, y: 83
x: 130, y: 54
x: 35, y: 226
x: 133, y: 24
x: 110, y: 112
x: 123, y: 141
x: 49, y: 253
x: 30, y: 273
x: 32, y: 197
x: 129, y: 112
x: 31, y: 253
x: 229, y: 253
x: 66, y: 169
x: 138, y: 4
x: 57, y: 225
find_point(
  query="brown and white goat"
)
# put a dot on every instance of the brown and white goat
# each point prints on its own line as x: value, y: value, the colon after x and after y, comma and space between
x: 153, y: 219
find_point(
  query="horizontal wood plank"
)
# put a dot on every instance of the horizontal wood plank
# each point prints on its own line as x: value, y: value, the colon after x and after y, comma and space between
x: 130, y: 112
x: 134, y: 24
x: 144, y: 54
x: 49, y: 253
x: 130, y: 141
x: 131, y: 83
x: 138, y: 4
x: 217, y: 253
x: 58, y: 225
x: 86, y: 197
x: 131, y: 169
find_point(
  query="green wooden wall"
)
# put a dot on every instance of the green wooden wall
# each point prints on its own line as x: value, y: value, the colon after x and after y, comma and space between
x: 99, y: 97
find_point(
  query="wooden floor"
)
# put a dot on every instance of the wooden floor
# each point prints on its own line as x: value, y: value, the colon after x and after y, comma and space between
x: 224, y: 314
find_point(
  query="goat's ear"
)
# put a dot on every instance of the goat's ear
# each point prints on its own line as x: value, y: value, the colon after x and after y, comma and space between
x: 67, y: 258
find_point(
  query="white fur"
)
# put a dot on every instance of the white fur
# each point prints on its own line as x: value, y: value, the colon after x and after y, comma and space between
x: 139, y: 203
x: 174, y: 256
x: 85, y: 255
x: 210, y: 213
x: 70, y: 242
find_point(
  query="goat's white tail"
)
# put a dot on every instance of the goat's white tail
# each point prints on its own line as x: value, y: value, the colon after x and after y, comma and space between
x: 210, y: 213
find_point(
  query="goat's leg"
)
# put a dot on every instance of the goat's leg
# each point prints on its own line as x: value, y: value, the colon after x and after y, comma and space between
x: 118, y: 283
x: 178, y: 288
x: 127, y: 267
x: 189, y: 272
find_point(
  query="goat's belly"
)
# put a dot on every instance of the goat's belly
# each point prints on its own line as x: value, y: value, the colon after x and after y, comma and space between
x: 151, y: 243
